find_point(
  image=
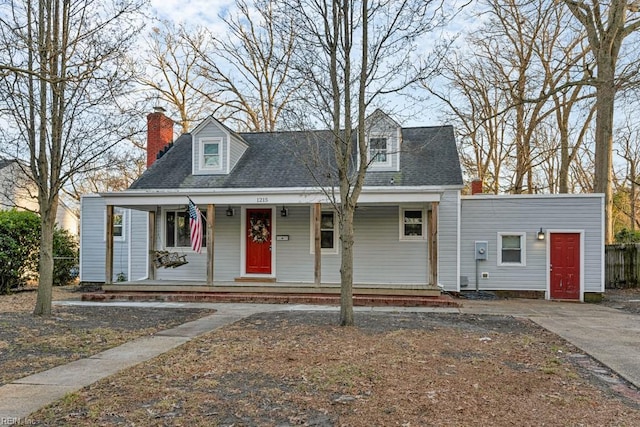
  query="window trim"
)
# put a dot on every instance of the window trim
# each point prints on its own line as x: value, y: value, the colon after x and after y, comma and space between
x: 523, y: 249
x: 163, y: 226
x: 324, y: 251
x: 221, y: 151
x: 402, y: 237
x: 388, y: 162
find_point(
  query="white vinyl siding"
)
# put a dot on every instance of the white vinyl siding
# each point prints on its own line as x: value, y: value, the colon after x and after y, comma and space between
x: 483, y: 217
x: 138, y: 244
x: 379, y: 256
x: 93, y: 244
x: 448, y: 235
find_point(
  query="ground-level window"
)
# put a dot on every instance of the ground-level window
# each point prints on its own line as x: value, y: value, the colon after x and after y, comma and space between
x: 118, y: 224
x: 511, y: 249
x: 412, y: 224
x: 177, y: 230
x: 328, y: 232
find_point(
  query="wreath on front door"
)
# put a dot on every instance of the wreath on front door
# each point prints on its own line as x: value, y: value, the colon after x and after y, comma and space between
x: 259, y: 232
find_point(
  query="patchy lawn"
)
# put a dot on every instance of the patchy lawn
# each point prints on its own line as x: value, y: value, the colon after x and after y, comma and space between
x: 297, y: 368
x: 30, y: 344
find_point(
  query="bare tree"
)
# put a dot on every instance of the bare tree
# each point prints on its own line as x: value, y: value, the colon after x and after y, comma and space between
x: 627, y: 182
x: 505, y: 92
x: 607, y: 25
x: 125, y: 165
x: 469, y: 91
x: 173, y: 73
x: 247, y: 68
x: 63, y: 67
x: 351, y: 54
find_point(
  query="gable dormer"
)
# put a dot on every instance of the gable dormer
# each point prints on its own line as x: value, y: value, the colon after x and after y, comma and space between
x: 383, y: 140
x: 216, y: 148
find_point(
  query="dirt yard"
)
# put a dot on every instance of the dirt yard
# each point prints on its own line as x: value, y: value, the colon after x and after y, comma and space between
x: 298, y: 368
x: 30, y: 344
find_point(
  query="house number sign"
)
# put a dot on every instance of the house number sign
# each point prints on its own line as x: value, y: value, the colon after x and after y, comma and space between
x: 262, y: 200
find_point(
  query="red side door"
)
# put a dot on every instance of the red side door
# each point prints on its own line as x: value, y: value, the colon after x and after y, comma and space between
x: 258, y: 241
x: 565, y: 265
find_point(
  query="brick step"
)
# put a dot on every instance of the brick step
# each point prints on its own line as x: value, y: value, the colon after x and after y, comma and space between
x: 317, y: 299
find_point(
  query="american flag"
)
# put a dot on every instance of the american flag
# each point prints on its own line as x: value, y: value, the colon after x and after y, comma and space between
x: 195, y: 223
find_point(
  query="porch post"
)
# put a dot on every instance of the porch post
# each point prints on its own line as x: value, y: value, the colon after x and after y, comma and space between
x: 432, y: 232
x: 151, y: 269
x: 317, y: 265
x: 211, y: 220
x: 108, y: 264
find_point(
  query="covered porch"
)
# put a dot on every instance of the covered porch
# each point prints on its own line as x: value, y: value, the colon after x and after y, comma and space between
x: 277, y: 281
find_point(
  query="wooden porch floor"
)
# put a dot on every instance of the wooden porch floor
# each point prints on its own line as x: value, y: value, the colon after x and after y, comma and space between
x: 273, y: 293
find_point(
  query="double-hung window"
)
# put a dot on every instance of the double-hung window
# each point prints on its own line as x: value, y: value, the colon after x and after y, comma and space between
x: 119, y: 223
x: 412, y: 224
x: 512, y: 249
x: 178, y: 231
x: 328, y: 233
x: 211, y: 154
x: 378, y: 151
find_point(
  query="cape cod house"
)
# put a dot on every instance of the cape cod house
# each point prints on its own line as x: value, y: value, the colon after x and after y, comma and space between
x: 268, y: 219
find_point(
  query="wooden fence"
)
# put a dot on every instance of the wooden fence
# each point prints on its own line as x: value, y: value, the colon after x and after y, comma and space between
x: 622, y: 266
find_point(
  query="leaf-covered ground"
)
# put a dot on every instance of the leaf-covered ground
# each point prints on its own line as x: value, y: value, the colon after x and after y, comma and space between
x: 297, y: 368
x: 30, y: 344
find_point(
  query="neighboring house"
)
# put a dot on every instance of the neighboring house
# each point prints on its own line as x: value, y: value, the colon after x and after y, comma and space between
x: 18, y: 191
x: 264, y: 207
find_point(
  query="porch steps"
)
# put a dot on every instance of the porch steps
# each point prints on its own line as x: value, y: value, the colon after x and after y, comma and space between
x: 275, y: 298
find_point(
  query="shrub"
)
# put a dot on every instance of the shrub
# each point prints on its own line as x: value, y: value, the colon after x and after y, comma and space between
x: 65, y: 257
x: 19, y: 240
x: 627, y: 236
x: 19, y: 245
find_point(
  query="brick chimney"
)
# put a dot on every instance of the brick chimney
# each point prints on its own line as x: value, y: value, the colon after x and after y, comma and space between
x: 476, y: 186
x: 159, y: 133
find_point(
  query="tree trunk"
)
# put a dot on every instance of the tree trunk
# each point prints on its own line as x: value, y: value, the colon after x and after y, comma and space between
x: 45, y: 282
x: 346, y: 266
x: 605, y: 96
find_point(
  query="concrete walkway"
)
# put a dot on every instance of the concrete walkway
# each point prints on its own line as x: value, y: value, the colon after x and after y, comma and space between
x: 610, y: 336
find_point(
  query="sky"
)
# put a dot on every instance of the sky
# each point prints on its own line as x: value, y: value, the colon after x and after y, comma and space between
x: 191, y: 12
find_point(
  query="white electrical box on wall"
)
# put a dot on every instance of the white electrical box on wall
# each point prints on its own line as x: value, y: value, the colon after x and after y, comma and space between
x: 482, y: 249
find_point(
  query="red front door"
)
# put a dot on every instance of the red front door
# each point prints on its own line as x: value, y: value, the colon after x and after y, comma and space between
x: 565, y: 265
x: 258, y: 241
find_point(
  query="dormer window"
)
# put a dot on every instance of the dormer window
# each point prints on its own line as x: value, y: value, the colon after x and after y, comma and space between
x: 378, y: 150
x: 211, y: 154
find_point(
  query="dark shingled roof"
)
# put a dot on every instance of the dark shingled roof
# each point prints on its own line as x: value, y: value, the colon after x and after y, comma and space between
x: 283, y: 159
